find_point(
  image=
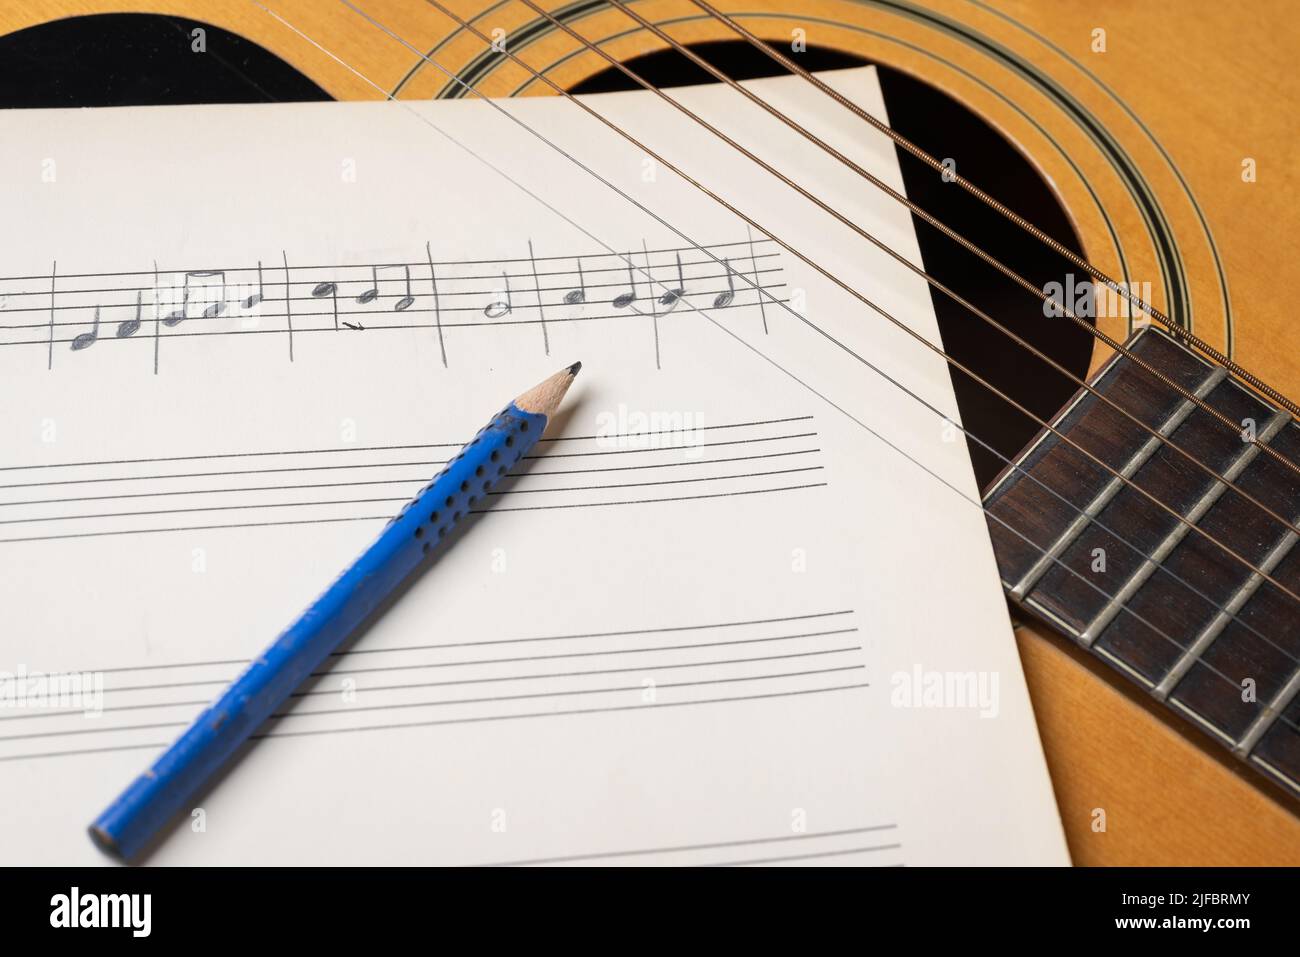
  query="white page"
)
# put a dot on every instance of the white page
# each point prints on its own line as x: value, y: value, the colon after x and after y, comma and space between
x: 676, y: 647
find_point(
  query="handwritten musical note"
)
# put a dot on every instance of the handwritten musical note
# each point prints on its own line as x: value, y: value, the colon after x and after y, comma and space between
x: 625, y: 299
x: 724, y: 299
x: 673, y: 297
x: 331, y: 289
x: 371, y: 294
x: 257, y: 297
x: 495, y: 310
x: 87, y: 339
x: 214, y: 307
x: 577, y: 296
x: 129, y: 327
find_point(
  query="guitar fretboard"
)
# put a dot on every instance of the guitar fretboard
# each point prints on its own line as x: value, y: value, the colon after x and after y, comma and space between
x: 1157, y: 592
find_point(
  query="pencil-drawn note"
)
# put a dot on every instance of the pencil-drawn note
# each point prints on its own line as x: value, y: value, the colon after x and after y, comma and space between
x: 673, y: 297
x: 724, y: 299
x: 625, y: 299
x: 371, y: 294
x: 87, y: 339
x: 129, y: 327
x: 199, y: 286
x: 576, y: 297
x: 254, y: 299
x: 331, y: 290
x: 499, y: 308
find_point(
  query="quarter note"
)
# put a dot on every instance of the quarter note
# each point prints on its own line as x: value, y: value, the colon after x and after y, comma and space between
x: 495, y: 310
x: 723, y: 299
x: 673, y: 297
x: 625, y: 299
x: 331, y: 289
x: 256, y: 297
x: 129, y: 327
x: 87, y: 339
x: 577, y: 296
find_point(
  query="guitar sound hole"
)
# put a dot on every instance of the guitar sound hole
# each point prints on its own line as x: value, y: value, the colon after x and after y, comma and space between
x: 946, y: 129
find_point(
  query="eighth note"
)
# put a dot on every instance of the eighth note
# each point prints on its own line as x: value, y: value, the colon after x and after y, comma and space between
x: 371, y: 294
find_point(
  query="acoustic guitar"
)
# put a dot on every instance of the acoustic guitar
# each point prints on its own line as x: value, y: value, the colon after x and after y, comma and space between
x: 1103, y: 195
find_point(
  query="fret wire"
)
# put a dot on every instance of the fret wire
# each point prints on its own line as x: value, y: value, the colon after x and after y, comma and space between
x: 884, y: 247
x: 1173, y: 327
x: 902, y: 326
x: 1112, y: 488
x: 1098, y: 624
x: 1210, y: 633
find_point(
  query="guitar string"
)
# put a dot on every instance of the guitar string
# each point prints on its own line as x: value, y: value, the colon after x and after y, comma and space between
x: 971, y: 374
x: 983, y: 510
x: 951, y: 175
x: 1235, y: 428
x: 1267, y: 710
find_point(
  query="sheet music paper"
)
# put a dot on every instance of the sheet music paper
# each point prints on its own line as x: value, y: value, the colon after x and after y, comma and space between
x: 704, y: 626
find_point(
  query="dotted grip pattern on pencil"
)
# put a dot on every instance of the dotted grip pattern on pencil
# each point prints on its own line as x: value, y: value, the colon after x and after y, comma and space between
x: 407, y: 541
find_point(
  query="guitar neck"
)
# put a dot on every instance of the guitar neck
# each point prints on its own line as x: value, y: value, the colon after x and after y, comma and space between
x: 1190, y: 589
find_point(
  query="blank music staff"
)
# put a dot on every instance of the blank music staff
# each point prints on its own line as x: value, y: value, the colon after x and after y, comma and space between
x: 70, y: 317
x: 460, y: 680
x: 684, y: 462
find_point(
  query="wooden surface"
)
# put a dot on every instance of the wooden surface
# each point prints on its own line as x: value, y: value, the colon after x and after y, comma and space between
x: 1143, y: 142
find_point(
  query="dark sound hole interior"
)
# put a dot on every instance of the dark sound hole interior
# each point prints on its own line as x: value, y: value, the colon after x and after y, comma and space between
x: 138, y: 59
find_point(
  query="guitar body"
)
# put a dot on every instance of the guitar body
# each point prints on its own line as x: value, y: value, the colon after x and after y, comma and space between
x: 1165, y: 132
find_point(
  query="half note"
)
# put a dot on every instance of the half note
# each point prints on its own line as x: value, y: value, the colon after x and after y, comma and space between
x: 497, y: 309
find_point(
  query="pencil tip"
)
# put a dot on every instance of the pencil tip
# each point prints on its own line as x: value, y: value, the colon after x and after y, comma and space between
x: 544, y: 398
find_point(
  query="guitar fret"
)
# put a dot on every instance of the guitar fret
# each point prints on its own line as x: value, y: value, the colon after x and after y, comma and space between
x: 1120, y: 599
x: 1268, y: 717
x: 1117, y: 482
x: 1211, y: 631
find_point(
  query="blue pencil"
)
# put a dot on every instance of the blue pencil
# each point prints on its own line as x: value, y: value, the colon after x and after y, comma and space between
x: 401, y: 550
